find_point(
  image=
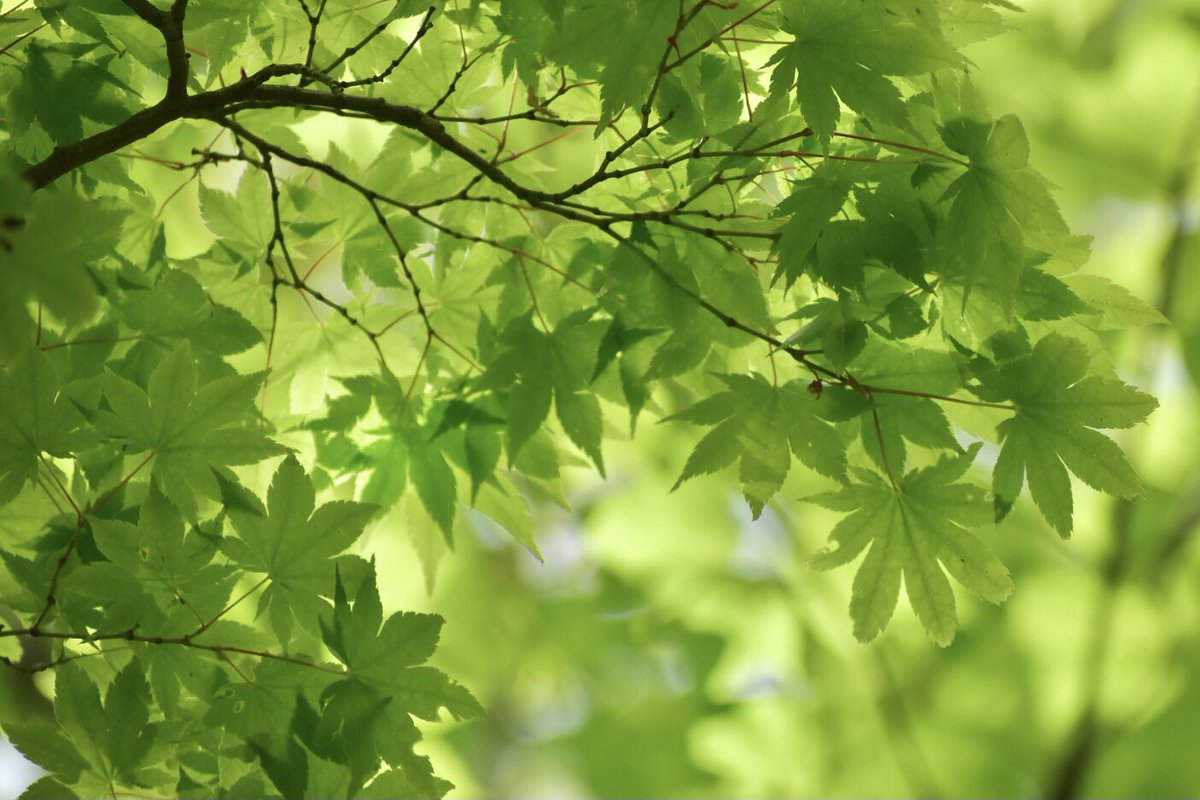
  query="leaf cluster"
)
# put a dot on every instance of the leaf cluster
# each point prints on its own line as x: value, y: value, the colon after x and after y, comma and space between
x: 794, y: 224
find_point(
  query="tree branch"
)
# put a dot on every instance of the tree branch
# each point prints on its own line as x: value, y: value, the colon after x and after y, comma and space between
x: 181, y: 641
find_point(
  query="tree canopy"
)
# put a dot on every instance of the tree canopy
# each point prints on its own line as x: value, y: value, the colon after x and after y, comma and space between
x: 233, y: 342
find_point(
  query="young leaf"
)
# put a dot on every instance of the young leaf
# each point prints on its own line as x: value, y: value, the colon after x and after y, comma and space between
x: 844, y: 51
x: 38, y: 418
x: 918, y: 530
x: 293, y: 543
x: 757, y: 424
x: 1054, y: 429
x: 188, y: 428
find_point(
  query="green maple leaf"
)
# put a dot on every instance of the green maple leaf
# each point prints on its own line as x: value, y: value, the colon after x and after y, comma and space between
x: 107, y: 741
x: 240, y: 223
x: 385, y: 685
x: 701, y: 97
x: 558, y: 365
x: 189, y: 428
x: 915, y: 529
x: 1114, y: 306
x: 266, y: 706
x: 293, y: 542
x: 1058, y: 410
x: 412, y: 452
x: 999, y: 207
x: 46, y: 746
x: 845, y: 50
x: 173, y: 566
x: 37, y: 418
x: 60, y: 89
x: 384, y: 656
x: 760, y: 426
x: 813, y: 202
x: 179, y: 307
x: 622, y: 47
x: 223, y: 26
x: 38, y: 262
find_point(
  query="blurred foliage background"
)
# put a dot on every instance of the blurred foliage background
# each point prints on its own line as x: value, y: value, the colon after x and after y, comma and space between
x: 668, y: 646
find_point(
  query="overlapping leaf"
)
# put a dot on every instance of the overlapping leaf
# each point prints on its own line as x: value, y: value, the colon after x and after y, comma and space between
x: 558, y: 364
x: 916, y: 529
x: 97, y: 744
x: 386, y: 685
x: 760, y: 426
x: 1058, y: 412
x: 845, y: 50
x: 37, y: 418
x: 173, y: 566
x: 188, y: 427
x: 293, y: 541
x: 999, y: 207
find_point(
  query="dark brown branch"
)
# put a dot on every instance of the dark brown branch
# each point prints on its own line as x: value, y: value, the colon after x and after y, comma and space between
x: 210, y: 105
x: 709, y: 41
x: 170, y: 25
x: 66, y: 158
x: 425, y: 27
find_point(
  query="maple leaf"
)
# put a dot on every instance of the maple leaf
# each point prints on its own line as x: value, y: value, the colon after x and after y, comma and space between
x: 97, y: 744
x: 293, y: 542
x: 38, y: 418
x: 915, y: 529
x: 813, y: 202
x: 999, y: 207
x: 189, y: 428
x: 844, y: 50
x: 559, y: 365
x: 171, y: 566
x: 37, y: 262
x: 760, y: 426
x: 385, y: 681
x: 1058, y: 412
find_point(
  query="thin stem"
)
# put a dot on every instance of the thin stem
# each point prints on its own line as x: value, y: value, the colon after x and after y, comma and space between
x: 941, y: 397
x: 21, y: 38
x: 76, y: 342
x: 61, y: 488
x: 180, y: 641
x: 539, y: 145
x: 883, y: 454
x: 232, y: 605
x: 745, y: 85
x: 902, y: 146
x: 41, y: 482
x: 121, y: 483
x: 532, y: 294
x: 708, y: 42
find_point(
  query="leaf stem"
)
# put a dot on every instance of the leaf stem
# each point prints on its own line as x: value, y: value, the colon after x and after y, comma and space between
x: 121, y: 483
x: 180, y: 641
x: 206, y: 625
x: 902, y: 146
x: 941, y: 397
x: 883, y: 454
x: 76, y: 342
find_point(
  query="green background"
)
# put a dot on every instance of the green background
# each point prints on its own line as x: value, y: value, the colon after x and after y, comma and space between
x: 668, y: 646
